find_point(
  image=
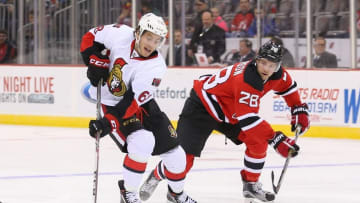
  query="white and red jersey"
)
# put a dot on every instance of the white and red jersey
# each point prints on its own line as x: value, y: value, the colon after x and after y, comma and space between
x: 127, y: 68
x: 233, y: 95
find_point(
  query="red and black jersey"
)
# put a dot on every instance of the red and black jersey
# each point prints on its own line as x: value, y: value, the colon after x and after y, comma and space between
x: 233, y: 95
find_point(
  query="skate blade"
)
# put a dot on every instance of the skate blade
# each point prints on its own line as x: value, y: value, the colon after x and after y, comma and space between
x: 253, y: 200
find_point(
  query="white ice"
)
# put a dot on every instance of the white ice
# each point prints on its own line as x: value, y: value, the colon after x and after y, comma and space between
x: 55, y: 165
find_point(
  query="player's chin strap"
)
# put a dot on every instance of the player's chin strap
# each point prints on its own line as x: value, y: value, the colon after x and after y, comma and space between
x: 277, y: 188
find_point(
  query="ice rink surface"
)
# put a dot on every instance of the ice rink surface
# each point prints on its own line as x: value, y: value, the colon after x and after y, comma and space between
x: 55, y: 165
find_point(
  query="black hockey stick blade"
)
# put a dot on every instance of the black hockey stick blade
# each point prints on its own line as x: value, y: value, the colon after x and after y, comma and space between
x: 272, y: 181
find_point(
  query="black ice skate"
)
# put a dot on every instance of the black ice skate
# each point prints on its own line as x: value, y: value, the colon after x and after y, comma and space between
x: 149, y: 186
x: 252, y: 190
x: 127, y: 196
x: 179, y: 198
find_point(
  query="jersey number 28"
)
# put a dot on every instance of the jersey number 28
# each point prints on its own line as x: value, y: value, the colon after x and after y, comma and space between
x: 250, y: 99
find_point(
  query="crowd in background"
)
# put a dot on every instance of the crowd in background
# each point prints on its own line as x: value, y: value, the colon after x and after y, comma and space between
x: 208, y: 23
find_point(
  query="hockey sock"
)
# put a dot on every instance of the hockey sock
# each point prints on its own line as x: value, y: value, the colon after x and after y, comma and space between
x: 189, y: 162
x: 253, y: 168
x: 133, y: 172
x: 158, y: 171
x: 176, y: 181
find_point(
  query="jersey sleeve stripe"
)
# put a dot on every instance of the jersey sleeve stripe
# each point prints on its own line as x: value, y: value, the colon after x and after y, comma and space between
x: 247, y: 116
x: 219, y: 109
x: 249, y: 121
x: 213, y: 106
x: 290, y: 90
x: 253, y: 124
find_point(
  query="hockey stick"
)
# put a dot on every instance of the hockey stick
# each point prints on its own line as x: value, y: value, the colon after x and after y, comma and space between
x: 97, y: 141
x: 277, y: 188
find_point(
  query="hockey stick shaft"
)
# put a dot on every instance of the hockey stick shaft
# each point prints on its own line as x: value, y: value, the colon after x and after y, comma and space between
x: 97, y: 141
x: 277, y: 187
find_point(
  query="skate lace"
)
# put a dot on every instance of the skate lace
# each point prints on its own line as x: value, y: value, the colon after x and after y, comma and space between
x: 184, y: 198
x: 131, y: 197
x: 190, y: 200
x: 257, y: 187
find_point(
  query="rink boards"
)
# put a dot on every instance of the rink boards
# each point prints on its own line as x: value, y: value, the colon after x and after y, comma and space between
x: 52, y: 96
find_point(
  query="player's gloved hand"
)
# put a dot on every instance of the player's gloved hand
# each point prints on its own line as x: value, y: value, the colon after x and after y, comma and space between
x: 102, y: 125
x: 98, y: 68
x: 284, y: 145
x: 300, y: 116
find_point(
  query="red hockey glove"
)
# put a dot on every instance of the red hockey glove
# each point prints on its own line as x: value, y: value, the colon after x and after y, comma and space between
x: 284, y: 145
x: 300, y: 116
x: 98, y: 68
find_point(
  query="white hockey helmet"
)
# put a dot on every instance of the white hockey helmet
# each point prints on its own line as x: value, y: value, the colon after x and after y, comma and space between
x: 152, y: 23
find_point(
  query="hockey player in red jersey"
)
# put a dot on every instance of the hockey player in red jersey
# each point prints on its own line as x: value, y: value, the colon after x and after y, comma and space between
x: 131, y: 67
x: 229, y: 102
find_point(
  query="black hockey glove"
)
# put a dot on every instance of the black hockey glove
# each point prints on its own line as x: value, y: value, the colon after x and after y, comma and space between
x: 97, y: 61
x: 284, y: 145
x: 102, y: 125
x: 98, y: 68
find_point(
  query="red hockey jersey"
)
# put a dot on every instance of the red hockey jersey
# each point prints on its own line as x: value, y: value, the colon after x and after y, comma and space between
x: 233, y: 95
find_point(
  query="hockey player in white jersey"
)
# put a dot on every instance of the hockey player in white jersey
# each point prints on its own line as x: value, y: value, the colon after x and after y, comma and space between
x: 131, y: 67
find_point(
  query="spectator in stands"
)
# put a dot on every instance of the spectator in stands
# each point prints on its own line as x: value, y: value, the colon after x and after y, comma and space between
x: 218, y: 20
x: 125, y: 16
x: 268, y: 25
x: 244, y: 53
x: 322, y: 58
x: 7, y: 49
x: 242, y: 20
x: 287, y: 59
x: 147, y: 7
x: 200, y: 7
x: 208, y: 38
x: 177, y: 50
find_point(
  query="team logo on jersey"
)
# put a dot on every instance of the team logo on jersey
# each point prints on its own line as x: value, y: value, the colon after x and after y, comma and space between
x: 172, y: 131
x: 115, y: 82
x: 156, y: 82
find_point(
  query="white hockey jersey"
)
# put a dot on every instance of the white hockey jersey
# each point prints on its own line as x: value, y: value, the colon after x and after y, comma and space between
x: 127, y: 69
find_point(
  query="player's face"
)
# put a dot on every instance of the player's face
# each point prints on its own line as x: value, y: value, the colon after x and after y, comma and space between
x: 148, y: 43
x: 207, y: 20
x: 319, y: 46
x: 243, y: 48
x: 265, y: 68
x: 177, y: 37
